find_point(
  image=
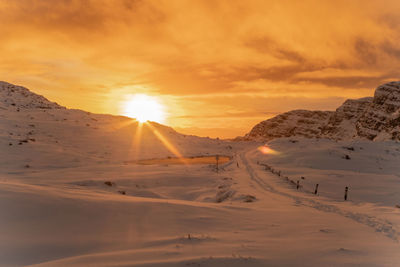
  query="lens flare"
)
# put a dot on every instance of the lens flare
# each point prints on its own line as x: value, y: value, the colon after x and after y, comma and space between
x: 267, y: 150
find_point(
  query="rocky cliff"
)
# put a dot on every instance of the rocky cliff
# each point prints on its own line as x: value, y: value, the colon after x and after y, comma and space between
x: 376, y: 118
x: 381, y: 118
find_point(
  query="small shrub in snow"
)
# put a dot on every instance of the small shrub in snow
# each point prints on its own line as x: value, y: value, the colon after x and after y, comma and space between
x: 109, y: 183
x: 346, y: 157
x: 224, y: 194
x: 249, y: 198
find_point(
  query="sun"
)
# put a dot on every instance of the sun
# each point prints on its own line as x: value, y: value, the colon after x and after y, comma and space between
x: 145, y: 108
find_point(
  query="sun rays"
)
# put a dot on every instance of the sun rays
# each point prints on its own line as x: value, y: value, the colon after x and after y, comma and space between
x: 144, y: 111
x: 165, y: 141
x: 138, y: 134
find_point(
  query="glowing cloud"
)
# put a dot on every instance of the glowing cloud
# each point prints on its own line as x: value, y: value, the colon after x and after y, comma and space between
x: 235, y: 57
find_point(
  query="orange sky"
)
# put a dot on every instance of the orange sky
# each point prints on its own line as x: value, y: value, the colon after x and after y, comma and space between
x: 218, y: 66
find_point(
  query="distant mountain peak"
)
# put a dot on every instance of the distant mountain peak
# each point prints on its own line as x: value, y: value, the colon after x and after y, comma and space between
x: 14, y: 96
x: 373, y: 118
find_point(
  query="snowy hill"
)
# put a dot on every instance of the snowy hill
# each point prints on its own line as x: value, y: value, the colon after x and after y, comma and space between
x: 376, y: 118
x: 74, y: 191
x: 20, y: 97
x: 41, y: 134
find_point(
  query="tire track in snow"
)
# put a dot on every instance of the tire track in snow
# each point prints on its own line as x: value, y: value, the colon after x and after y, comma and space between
x: 380, y: 225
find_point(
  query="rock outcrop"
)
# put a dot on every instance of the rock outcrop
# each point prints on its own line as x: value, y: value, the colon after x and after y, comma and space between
x: 341, y: 124
x: 13, y: 96
x: 293, y: 123
x: 381, y: 119
x: 376, y: 118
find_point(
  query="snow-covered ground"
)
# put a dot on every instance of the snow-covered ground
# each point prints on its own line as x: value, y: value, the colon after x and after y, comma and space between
x: 371, y: 170
x: 73, y: 194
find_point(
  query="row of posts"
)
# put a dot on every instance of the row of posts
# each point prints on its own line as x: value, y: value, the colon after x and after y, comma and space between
x: 267, y: 167
x: 346, y: 189
x: 217, y: 159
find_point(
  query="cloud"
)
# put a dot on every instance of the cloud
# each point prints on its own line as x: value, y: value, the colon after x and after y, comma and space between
x: 74, y: 51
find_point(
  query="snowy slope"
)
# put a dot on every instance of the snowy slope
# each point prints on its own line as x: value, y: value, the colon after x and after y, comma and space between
x: 20, y: 97
x: 370, y: 169
x: 73, y: 194
x: 376, y: 118
x: 51, y: 136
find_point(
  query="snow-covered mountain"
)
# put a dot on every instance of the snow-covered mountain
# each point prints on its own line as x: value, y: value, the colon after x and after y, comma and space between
x: 15, y: 97
x: 293, y: 123
x: 72, y: 192
x: 38, y: 133
x: 381, y: 118
x: 376, y: 118
x: 341, y: 123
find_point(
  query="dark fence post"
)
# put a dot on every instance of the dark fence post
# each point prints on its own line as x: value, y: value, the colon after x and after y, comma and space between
x: 345, y: 192
x: 217, y: 158
x: 316, y: 189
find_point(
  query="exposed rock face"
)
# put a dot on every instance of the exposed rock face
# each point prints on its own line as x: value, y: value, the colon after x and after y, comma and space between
x: 293, y: 123
x: 376, y: 118
x: 13, y: 96
x: 341, y: 124
x: 381, y: 120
